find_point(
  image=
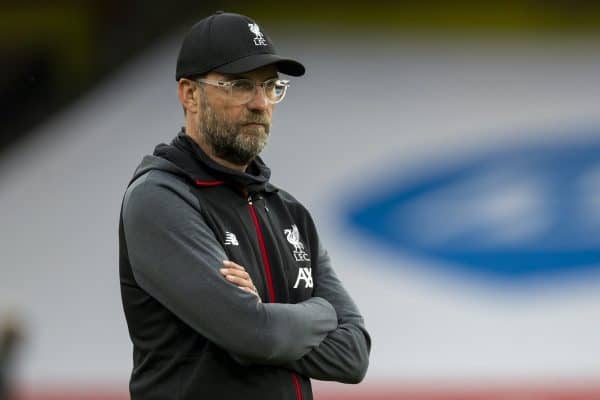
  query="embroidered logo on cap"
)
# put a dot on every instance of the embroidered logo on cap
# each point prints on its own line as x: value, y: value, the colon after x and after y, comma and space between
x: 259, y: 39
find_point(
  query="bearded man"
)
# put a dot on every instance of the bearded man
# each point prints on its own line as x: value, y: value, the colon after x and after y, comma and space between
x: 227, y: 290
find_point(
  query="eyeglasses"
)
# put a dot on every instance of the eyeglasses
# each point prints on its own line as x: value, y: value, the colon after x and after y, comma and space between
x: 241, y: 91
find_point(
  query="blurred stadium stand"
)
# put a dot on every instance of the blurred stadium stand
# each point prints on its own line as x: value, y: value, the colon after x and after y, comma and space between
x: 53, y: 52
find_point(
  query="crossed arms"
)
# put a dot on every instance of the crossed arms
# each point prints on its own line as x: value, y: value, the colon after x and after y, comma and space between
x: 175, y: 257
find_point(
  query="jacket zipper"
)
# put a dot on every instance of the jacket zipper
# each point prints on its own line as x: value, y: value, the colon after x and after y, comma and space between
x: 263, y: 251
x: 271, y: 288
x: 297, y: 385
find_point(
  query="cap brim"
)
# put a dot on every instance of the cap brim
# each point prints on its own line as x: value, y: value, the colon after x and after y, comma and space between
x: 284, y: 65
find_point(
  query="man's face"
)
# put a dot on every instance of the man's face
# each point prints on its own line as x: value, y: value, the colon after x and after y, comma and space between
x: 236, y: 133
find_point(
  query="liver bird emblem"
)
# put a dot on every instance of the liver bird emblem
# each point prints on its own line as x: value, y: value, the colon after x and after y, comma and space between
x: 256, y: 30
x: 259, y: 39
x: 293, y: 236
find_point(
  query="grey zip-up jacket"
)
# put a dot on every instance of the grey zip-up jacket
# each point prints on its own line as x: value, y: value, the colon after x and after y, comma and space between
x: 196, y: 335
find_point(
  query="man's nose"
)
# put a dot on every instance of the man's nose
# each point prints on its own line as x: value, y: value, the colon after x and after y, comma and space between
x: 259, y: 100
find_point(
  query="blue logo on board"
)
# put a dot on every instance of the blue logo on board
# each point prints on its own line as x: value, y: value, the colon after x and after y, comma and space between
x: 515, y: 215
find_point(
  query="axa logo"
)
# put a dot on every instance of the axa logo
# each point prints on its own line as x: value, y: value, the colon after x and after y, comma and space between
x: 231, y: 239
x: 259, y: 39
x: 519, y: 214
x: 305, y: 275
x: 293, y: 237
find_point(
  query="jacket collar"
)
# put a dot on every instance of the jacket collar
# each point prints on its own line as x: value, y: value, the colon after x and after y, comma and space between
x: 184, y: 152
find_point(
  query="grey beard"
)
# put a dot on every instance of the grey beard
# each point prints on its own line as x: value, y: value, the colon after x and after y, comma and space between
x: 226, y: 140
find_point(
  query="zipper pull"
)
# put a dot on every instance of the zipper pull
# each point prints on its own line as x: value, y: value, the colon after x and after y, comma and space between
x: 261, y: 198
x: 250, y: 200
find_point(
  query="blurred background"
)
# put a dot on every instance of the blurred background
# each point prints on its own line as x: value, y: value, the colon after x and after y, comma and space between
x: 449, y: 151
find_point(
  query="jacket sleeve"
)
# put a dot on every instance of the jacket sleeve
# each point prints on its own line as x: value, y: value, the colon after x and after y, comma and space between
x: 344, y: 354
x: 176, y: 257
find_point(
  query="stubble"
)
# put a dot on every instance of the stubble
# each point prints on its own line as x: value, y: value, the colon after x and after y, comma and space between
x: 234, y: 141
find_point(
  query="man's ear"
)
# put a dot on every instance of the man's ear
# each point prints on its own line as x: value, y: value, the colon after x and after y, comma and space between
x: 187, y: 92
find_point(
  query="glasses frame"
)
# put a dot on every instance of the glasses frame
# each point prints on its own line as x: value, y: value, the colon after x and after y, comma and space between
x: 229, y: 85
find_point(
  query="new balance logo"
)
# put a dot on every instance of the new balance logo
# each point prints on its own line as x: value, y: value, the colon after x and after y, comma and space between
x: 230, y: 239
x: 304, y: 274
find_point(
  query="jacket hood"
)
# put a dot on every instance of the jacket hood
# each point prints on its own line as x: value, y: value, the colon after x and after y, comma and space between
x: 183, y: 157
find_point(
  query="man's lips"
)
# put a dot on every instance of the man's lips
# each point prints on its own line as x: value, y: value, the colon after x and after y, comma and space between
x: 255, y: 123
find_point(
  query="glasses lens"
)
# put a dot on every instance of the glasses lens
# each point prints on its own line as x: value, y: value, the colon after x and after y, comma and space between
x: 275, y: 90
x: 242, y: 90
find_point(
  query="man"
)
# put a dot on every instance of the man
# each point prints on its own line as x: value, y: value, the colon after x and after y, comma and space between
x: 200, y: 221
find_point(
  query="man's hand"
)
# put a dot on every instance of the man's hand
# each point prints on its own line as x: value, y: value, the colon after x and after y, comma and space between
x: 237, y: 275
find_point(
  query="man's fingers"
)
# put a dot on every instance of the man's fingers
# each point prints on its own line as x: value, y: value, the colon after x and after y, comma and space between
x: 235, y: 272
x: 231, y: 264
x: 237, y: 275
x: 254, y: 293
x: 240, y: 281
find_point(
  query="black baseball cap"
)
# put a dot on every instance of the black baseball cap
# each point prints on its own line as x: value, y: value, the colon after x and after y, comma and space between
x: 232, y: 44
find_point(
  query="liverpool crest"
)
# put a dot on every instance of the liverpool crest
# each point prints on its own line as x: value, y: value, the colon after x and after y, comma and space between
x: 259, y: 39
x: 293, y: 237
